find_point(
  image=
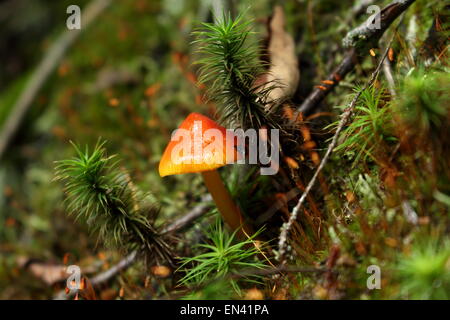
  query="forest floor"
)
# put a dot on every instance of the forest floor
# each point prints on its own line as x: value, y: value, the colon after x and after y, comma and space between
x: 374, y: 225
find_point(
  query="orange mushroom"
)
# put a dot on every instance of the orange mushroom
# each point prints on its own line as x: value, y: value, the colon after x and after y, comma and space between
x: 201, y: 145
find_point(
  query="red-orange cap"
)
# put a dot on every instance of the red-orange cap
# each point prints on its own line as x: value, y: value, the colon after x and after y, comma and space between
x: 199, y: 144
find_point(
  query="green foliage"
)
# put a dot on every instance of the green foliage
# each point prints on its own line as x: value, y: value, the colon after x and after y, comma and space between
x: 220, y: 289
x: 229, y: 66
x: 425, y: 272
x: 424, y: 102
x: 224, y: 256
x: 102, y: 195
x: 371, y: 127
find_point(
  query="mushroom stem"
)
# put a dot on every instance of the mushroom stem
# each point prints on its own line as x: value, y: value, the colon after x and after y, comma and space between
x: 230, y: 212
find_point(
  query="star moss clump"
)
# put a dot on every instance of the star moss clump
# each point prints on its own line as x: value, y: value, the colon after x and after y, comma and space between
x: 229, y: 66
x: 102, y: 195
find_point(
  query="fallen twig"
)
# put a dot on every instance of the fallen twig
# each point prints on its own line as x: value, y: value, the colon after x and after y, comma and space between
x: 123, y: 264
x: 389, y: 77
x: 44, y: 70
x: 108, y: 274
x: 279, y: 270
x: 185, y: 220
x: 359, y: 40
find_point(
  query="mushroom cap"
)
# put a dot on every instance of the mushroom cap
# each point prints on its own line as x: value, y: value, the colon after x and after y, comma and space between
x: 194, y: 147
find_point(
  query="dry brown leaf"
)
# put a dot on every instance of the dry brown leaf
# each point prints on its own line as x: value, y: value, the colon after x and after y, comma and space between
x: 49, y: 273
x: 88, y: 292
x: 283, y: 71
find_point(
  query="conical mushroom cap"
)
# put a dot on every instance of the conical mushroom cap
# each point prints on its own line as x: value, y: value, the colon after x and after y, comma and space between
x: 199, y: 144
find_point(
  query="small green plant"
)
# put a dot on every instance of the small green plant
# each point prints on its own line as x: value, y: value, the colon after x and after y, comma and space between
x: 424, y: 273
x: 103, y: 195
x: 370, y: 129
x: 229, y: 65
x: 424, y: 103
x: 219, y: 289
x: 225, y: 255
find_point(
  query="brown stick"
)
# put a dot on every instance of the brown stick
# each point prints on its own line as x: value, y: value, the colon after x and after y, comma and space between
x: 359, y: 40
x: 123, y: 264
x: 191, y: 216
x: 279, y: 270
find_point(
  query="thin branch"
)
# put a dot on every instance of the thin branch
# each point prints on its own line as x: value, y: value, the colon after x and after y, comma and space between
x: 359, y: 40
x: 387, y: 70
x: 117, y: 268
x: 317, y: 95
x: 279, y: 270
x: 44, y: 70
x: 345, y: 117
x: 126, y: 262
x: 192, y: 215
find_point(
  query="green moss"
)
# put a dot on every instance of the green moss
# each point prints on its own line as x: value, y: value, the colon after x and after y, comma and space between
x: 424, y: 273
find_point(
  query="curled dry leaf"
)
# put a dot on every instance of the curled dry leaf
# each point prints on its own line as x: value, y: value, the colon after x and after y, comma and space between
x: 48, y: 273
x: 283, y: 72
x: 87, y: 291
